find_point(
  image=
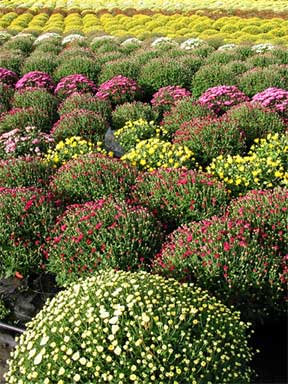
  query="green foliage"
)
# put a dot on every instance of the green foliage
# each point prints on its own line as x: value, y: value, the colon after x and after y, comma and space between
x: 77, y: 65
x: 85, y: 101
x: 209, y: 137
x: 131, y: 111
x: 182, y: 112
x: 211, y: 75
x: 258, y: 79
x: 80, y: 122
x: 128, y: 67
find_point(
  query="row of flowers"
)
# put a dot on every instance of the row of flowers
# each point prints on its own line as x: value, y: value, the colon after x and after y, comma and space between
x: 233, y: 29
x: 73, y: 228
x: 170, y: 5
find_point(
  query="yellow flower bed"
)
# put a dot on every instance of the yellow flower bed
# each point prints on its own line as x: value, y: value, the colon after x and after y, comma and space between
x: 169, y: 5
x: 232, y: 29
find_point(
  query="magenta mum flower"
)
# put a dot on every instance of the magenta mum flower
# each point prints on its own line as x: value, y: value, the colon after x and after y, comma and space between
x: 36, y: 79
x: 118, y: 90
x: 8, y: 77
x: 221, y: 98
x: 274, y: 98
x: 74, y: 83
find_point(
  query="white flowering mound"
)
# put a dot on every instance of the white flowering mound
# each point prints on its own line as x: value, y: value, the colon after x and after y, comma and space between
x: 123, y: 327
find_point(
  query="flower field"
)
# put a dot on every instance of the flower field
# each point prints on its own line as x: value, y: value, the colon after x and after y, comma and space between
x: 143, y: 176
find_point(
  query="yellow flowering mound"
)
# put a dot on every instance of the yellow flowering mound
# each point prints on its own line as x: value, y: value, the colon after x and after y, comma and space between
x: 71, y: 148
x: 154, y: 153
x: 123, y: 327
x: 264, y: 167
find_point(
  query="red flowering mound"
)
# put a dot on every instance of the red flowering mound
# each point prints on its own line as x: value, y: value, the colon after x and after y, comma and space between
x: 179, y: 196
x: 93, y: 176
x: 102, y: 234
x: 24, y: 172
x: 209, y: 137
x: 266, y: 211
x: 184, y: 110
x: 227, y: 257
x: 26, y: 217
x: 118, y: 90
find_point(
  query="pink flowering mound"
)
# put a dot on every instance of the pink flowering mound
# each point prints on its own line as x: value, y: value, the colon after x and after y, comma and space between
x: 26, y: 217
x: 102, y: 234
x: 179, y: 196
x: 166, y: 97
x: 74, y: 83
x: 227, y: 257
x: 91, y: 177
x: 274, y: 98
x: 8, y: 77
x: 36, y: 79
x: 118, y: 90
x: 221, y: 98
x: 28, y: 141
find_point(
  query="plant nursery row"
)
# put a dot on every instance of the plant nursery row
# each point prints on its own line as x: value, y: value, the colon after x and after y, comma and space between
x: 146, y: 178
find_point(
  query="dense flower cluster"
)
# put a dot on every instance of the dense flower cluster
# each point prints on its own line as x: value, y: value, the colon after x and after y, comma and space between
x: 91, y: 177
x: 261, y: 48
x: 192, y: 43
x: 274, y: 98
x: 24, y: 172
x: 107, y: 233
x: 26, y: 217
x: 71, y: 148
x: 266, y: 211
x: 265, y: 166
x: 36, y: 79
x: 135, y: 131
x: 154, y: 153
x: 118, y: 90
x: 132, y: 327
x: 8, y: 77
x: 184, y: 110
x: 74, y: 83
x: 227, y: 256
x: 209, y: 137
x: 179, y: 196
x: 24, y: 142
x: 221, y: 98
x: 162, y: 42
